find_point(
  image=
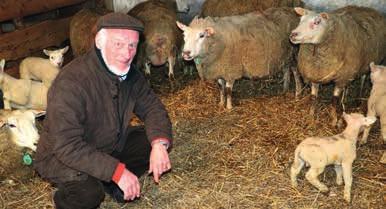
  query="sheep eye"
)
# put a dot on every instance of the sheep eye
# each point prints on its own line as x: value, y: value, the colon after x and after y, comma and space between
x: 317, y: 21
x: 201, y: 35
x: 11, y: 125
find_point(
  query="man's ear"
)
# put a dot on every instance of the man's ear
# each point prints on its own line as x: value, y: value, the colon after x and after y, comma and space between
x: 99, y: 39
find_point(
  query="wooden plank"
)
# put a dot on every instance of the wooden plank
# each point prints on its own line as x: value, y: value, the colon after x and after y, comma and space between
x: 22, y: 43
x: 10, y: 9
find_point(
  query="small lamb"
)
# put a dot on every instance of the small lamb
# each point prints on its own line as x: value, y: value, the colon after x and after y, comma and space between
x: 339, y: 150
x: 21, y: 126
x: 40, y: 69
x: 22, y: 93
x: 377, y: 101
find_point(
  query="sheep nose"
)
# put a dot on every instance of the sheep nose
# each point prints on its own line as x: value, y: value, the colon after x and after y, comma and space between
x: 186, y: 53
x: 293, y: 35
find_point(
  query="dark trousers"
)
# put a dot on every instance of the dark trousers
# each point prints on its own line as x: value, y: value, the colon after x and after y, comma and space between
x: 91, y: 192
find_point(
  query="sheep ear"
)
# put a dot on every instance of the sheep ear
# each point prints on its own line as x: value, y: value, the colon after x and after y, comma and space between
x: 46, y: 52
x: 324, y: 15
x: 38, y: 113
x: 373, y: 67
x: 345, y: 116
x: 2, y: 64
x: 181, y: 26
x: 65, y: 49
x: 369, y: 120
x: 301, y: 11
x: 209, y: 31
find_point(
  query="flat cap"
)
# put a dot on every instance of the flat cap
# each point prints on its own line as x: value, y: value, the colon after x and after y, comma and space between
x: 119, y: 21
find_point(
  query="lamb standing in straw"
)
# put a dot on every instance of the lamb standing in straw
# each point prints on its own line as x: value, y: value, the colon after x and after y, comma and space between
x: 338, y: 150
x: 376, y: 105
x: 337, y: 47
x: 22, y: 93
x: 252, y: 45
x: 41, y: 69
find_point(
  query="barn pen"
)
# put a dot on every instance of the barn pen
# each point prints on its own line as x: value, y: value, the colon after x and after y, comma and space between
x: 238, y: 158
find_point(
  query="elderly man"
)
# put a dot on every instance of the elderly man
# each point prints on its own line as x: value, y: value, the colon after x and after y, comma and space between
x: 88, y: 145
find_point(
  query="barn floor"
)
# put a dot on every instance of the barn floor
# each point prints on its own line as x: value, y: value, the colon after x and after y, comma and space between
x: 235, y: 159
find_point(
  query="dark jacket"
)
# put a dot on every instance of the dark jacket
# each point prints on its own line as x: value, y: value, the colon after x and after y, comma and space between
x: 82, y: 125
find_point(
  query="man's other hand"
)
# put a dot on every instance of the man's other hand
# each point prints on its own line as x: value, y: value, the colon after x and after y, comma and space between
x: 159, y: 161
x: 129, y: 185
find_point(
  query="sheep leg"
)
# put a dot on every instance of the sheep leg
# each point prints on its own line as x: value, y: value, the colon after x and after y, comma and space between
x: 314, y: 97
x: 312, y: 177
x: 221, y: 83
x: 366, y: 131
x: 347, y: 176
x: 383, y: 127
x: 336, y: 109
x: 6, y: 101
x: 339, y: 174
x: 295, y: 170
x: 298, y: 83
x: 171, y: 62
x: 286, y: 79
x: 228, y: 93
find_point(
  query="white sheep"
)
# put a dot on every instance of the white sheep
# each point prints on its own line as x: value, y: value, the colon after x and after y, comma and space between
x: 338, y: 150
x: 41, y: 69
x: 21, y: 126
x: 22, y: 93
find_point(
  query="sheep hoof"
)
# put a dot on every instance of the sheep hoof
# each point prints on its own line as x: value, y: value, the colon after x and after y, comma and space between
x: 347, y: 198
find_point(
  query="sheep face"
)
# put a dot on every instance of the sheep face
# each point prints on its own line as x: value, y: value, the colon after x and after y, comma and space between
x: 56, y: 56
x: 311, y: 29
x: 359, y: 120
x: 21, y: 126
x: 194, y: 38
x: 378, y: 73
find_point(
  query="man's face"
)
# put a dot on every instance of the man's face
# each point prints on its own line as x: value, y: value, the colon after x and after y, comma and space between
x: 118, y: 47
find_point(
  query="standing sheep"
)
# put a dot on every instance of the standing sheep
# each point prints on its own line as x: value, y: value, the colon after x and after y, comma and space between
x: 338, y: 150
x: 22, y: 93
x: 377, y: 102
x: 338, y: 46
x: 222, y: 8
x: 83, y: 30
x: 40, y: 69
x: 253, y: 45
x: 162, y: 38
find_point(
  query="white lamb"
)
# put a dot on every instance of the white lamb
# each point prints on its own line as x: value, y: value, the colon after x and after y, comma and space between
x: 21, y: 126
x: 338, y: 150
x: 41, y: 69
x: 21, y: 93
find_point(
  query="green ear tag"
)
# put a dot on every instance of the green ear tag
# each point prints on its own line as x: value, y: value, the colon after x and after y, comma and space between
x: 197, y: 61
x: 27, y: 159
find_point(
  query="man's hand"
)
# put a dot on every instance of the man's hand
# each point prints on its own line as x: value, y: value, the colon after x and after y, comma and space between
x: 129, y: 184
x: 159, y: 161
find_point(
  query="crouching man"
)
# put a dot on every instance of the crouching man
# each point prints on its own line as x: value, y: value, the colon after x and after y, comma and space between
x: 87, y: 146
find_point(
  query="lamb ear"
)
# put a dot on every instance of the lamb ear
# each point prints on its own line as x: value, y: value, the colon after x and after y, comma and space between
x: 209, y: 31
x: 38, y: 113
x: 301, y: 11
x: 181, y: 26
x: 2, y: 64
x: 369, y: 120
x: 65, y: 49
x: 324, y: 15
x: 46, y: 52
x: 345, y: 116
x: 373, y: 67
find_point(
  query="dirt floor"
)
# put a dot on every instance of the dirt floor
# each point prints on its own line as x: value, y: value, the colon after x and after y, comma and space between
x: 237, y: 158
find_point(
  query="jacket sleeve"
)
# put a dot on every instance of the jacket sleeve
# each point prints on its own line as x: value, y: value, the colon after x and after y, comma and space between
x: 149, y: 108
x: 66, y: 114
